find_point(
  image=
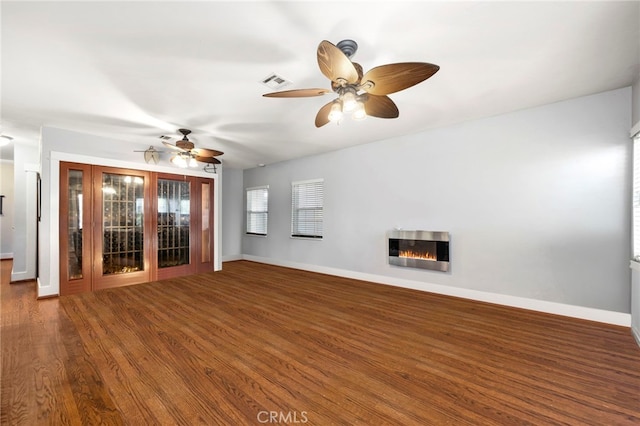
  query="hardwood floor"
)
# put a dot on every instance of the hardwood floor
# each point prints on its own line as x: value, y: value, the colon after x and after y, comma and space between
x: 259, y: 344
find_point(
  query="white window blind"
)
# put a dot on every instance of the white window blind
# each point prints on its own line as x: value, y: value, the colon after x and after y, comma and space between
x: 636, y: 198
x: 257, y: 210
x: 306, y: 208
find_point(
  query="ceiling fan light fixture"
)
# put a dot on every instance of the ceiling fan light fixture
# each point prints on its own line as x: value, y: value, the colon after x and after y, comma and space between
x: 192, y: 162
x: 179, y: 161
x: 336, y: 112
x: 349, y: 99
x: 359, y: 113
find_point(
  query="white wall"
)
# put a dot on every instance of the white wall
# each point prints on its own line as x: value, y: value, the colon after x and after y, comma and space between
x: 635, y: 300
x: 63, y: 145
x: 6, y: 219
x: 635, y: 104
x: 635, y: 109
x: 232, y: 214
x: 25, y: 168
x: 635, y: 287
x: 537, y: 203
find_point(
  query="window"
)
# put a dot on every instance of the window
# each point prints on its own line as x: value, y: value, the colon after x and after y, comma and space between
x: 636, y: 198
x: 257, y: 210
x: 306, y: 208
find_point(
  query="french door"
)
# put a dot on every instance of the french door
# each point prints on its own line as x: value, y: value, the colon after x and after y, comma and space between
x: 204, y: 259
x: 75, y: 228
x: 121, y: 226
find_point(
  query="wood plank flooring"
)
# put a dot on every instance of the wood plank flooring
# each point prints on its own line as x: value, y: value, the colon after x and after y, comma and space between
x: 260, y: 344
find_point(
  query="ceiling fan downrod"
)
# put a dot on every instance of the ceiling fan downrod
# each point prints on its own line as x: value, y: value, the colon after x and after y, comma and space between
x: 184, y: 132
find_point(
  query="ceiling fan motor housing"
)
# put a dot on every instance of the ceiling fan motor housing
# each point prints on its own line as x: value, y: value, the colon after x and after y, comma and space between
x: 348, y: 47
x: 185, y: 144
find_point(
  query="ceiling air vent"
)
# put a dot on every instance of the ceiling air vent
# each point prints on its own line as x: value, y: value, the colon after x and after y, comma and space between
x: 165, y: 137
x: 274, y: 81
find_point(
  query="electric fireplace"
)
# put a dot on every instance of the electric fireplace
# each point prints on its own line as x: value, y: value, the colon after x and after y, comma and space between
x: 419, y: 249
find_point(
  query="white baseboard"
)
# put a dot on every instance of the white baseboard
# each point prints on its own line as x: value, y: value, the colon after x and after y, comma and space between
x: 21, y: 276
x: 232, y: 257
x: 6, y: 255
x: 581, y: 312
x: 45, y: 290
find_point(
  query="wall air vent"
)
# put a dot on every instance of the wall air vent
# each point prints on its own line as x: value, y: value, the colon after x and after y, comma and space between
x: 275, y: 82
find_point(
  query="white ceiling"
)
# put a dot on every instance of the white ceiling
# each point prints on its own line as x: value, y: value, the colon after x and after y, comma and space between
x: 137, y: 70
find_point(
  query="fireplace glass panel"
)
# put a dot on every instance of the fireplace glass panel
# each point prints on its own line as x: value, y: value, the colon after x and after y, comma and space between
x: 419, y: 249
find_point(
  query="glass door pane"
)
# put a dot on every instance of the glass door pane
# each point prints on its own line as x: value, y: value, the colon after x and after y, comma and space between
x: 74, y: 224
x: 75, y: 228
x: 174, y: 198
x: 206, y: 231
x: 123, y: 224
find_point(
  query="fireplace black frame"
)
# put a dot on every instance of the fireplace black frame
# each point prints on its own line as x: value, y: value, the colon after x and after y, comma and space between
x: 438, y: 240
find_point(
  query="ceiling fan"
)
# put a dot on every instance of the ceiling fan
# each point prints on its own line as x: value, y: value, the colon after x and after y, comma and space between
x: 150, y: 154
x: 360, y: 93
x: 187, y: 155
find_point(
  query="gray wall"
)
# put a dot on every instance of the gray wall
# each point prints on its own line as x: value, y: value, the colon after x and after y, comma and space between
x: 635, y: 290
x: 635, y: 107
x: 232, y: 213
x: 6, y: 219
x: 25, y: 168
x: 635, y: 302
x: 537, y: 203
x: 636, y: 94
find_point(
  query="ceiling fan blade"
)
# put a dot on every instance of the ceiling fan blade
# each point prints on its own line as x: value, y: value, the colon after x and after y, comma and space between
x: 151, y: 155
x: 334, y: 64
x: 322, y: 117
x: 297, y: 93
x: 204, y: 152
x: 209, y: 160
x: 381, y: 107
x: 172, y: 146
x: 392, y: 78
x: 151, y: 148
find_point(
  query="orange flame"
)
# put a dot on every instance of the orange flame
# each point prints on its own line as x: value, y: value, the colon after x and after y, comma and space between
x: 411, y: 254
